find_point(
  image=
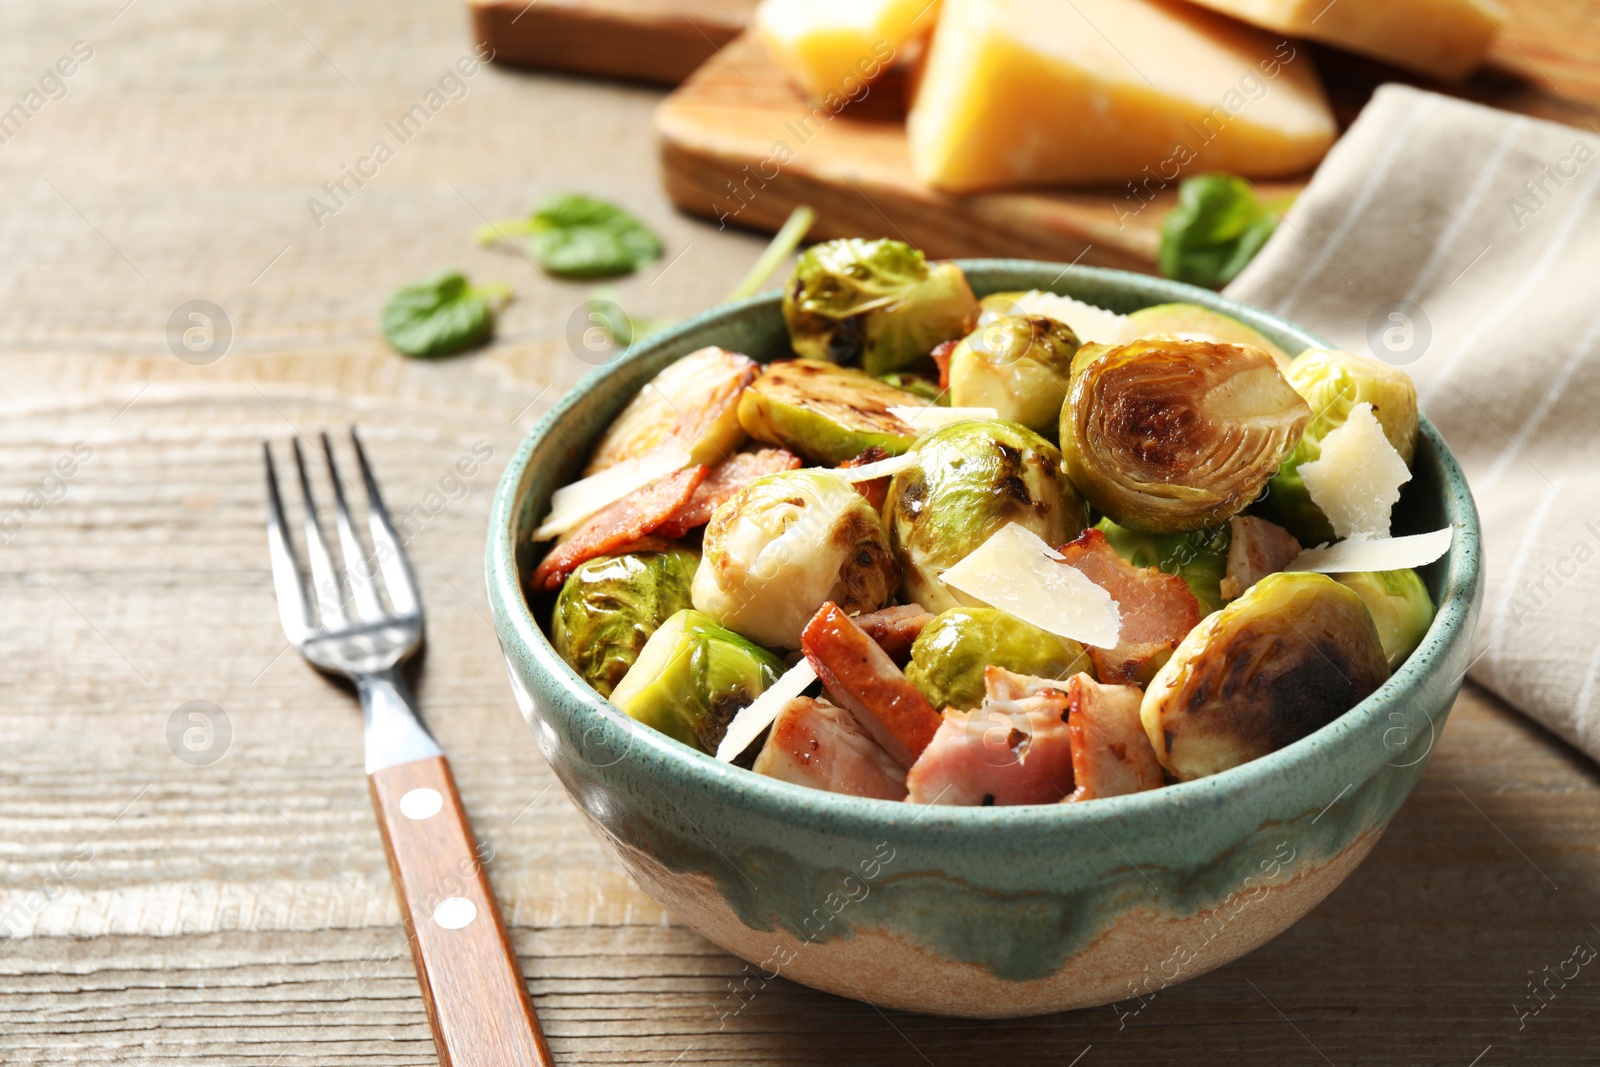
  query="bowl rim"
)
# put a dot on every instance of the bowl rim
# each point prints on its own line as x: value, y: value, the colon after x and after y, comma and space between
x: 769, y: 797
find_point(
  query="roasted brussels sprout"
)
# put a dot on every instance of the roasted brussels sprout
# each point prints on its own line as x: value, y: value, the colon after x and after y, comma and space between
x: 1332, y: 383
x: 880, y: 302
x: 1019, y: 365
x: 1166, y: 436
x: 692, y: 677
x: 609, y: 607
x: 1199, y: 557
x: 948, y: 657
x: 970, y: 480
x: 917, y: 385
x: 786, y: 544
x: 825, y: 413
x: 1192, y: 322
x: 1399, y: 605
x: 1294, y: 653
x: 693, y: 402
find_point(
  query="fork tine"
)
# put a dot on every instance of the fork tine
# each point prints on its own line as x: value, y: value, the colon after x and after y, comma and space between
x: 391, y: 557
x: 324, y: 580
x: 293, y: 609
x: 357, y: 567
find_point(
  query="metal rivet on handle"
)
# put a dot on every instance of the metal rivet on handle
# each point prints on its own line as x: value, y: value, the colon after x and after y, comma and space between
x: 421, y: 803
x: 455, y: 912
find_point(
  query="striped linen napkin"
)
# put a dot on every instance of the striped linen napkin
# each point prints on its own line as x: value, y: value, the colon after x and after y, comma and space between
x: 1463, y: 243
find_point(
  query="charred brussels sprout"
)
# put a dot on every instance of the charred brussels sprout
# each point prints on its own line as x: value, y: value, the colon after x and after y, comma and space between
x: 784, y: 545
x: 949, y: 656
x: 1199, y: 557
x: 825, y: 413
x: 1292, y: 654
x: 1166, y: 436
x: 692, y: 677
x: 1332, y: 383
x: 1399, y: 605
x: 1019, y: 365
x: 693, y: 402
x: 609, y: 607
x: 880, y: 302
x: 970, y: 480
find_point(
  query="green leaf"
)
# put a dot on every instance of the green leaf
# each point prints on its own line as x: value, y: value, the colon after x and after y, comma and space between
x: 577, y: 236
x: 441, y: 316
x: 1219, y: 225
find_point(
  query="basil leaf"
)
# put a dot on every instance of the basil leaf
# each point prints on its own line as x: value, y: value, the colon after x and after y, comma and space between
x: 441, y: 316
x: 577, y: 236
x: 1219, y: 225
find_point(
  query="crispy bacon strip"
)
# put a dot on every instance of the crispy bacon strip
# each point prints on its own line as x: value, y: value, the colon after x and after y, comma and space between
x: 815, y: 744
x: 725, y: 479
x: 1158, y: 610
x: 630, y: 519
x: 1015, y: 749
x: 895, y: 629
x: 1258, y: 548
x: 1111, y: 753
x: 877, y: 489
x: 941, y: 357
x: 864, y: 681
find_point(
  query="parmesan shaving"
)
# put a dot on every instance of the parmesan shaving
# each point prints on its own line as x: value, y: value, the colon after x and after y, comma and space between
x: 1356, y: 481
x: 1375, y: 553
x: 883, y: 468
x: 760, y: 713
x: 1090, y: 323
x: 572, y: 504
x: 934, y: 417
x: 1017, y: 572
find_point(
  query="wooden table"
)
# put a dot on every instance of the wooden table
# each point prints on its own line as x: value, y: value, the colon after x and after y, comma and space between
x: 238, y: 911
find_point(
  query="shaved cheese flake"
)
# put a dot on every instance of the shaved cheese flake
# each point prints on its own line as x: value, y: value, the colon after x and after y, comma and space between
x: 1089, y: 322
x: 1375, y: 553
x: 1356, y: 481
x: 572, y: 504
x: 1020, y: 574
x: 760, y: 713
x: 883, y: 468
x: 933, y: 417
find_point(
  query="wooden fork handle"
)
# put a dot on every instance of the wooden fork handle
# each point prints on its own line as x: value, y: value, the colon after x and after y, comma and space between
x: 477, y: 1001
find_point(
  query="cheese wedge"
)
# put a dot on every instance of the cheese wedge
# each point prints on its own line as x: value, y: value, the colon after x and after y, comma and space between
x: 1445, y: 38
x: 1029, y: 92
x: 835, y: 47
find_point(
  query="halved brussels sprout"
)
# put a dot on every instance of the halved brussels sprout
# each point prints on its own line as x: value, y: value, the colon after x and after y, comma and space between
x: 1199, y: 557
x: 1332, y: 383
x: 1195, y: 323
x: 917, y: 385
x: 1019, y: 365
x: 1294, y: 653
x: 609, y: 607
x: 949, y: 656
x: 1399, y: 605
x: 786, y: 544
x: 827, y: 414
x: 692, y: 677
x: 1168, y: 436
x: 880, y: 302
x: 693, y: 402
x: 970, y: 480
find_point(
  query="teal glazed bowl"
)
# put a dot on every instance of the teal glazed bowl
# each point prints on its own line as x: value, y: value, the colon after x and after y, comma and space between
x: 987, y: 912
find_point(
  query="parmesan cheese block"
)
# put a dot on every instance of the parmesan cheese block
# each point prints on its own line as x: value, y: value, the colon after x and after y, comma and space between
x: 1027, y: 92
x: 1445, y: 38
x: 1375, y: 554
x: 1357, y: 479
x: 835, y: 47
x: 1017, y: 572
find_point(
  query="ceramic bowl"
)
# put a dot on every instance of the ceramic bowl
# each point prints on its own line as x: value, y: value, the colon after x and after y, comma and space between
x: 985, y: 912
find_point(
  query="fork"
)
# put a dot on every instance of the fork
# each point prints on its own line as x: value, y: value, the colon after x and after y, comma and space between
x: 478, y: 1005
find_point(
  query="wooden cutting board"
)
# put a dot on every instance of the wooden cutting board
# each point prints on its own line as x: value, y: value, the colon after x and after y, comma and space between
x: 740, y: 146
x: 659, y: 41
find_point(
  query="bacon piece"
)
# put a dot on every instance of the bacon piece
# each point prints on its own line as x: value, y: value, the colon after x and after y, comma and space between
x: 1158, y: 610
x: 725, y: 479
x: 1258, y: 548
x: 1111, y: 753
x: 815, y: 744
x: 624, y: 522
x: 864, y: 681
x: 895, y: 629
x: 1015, y: 749
x: 875, y: 490
x: 941, y: 357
